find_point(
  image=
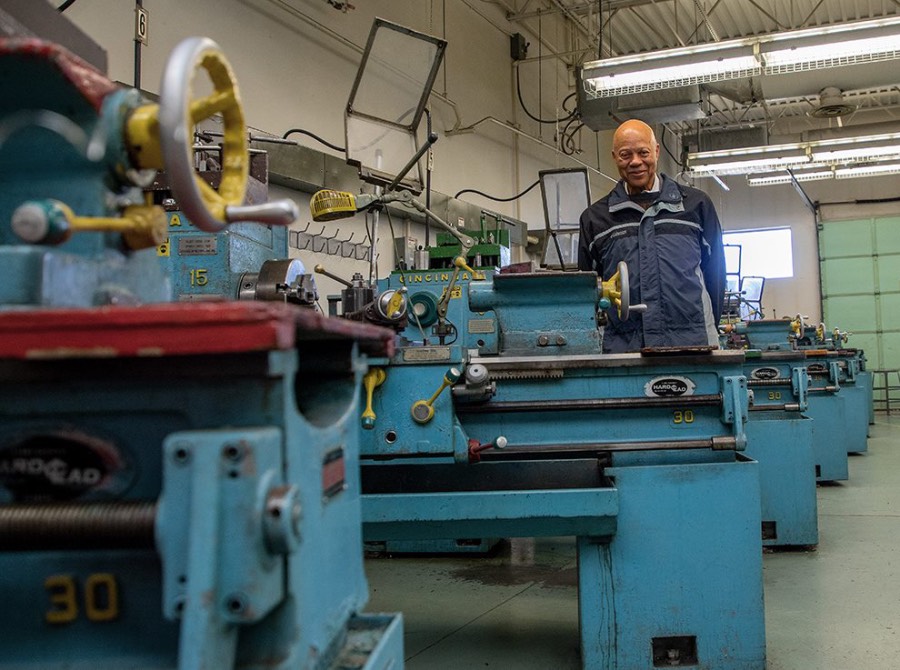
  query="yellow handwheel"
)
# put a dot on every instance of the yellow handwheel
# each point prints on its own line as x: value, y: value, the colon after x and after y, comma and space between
x: 617, y: 290
x: 209, y: 210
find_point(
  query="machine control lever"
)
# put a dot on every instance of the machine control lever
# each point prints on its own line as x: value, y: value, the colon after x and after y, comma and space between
x: 53, y: 222
x: 459, y: 263
x: 320, y: 269
x: 275, y: 213
x: 475, y: 447
x: 423, y: 410
x: 373, y: 378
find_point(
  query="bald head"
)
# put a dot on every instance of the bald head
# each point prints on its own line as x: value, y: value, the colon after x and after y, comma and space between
x: 636, y: 152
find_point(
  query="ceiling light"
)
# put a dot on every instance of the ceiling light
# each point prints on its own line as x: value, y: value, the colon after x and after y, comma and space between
x: 831, y: 153
x: 855, y: 149
x: 749, y: 159
x: 779, y: 53
x: 831, y: 46
x: 867, y: 171
x: 671, y: 68
x: 748, y: 165
x: 787, y: 178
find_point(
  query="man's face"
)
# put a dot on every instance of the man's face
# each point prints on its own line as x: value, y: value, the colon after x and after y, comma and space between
x: 636, y: 154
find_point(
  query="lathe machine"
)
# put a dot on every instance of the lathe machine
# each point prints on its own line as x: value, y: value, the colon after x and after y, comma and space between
x: 840, y: 391
x: 179, y: 482
x: 503, y: 419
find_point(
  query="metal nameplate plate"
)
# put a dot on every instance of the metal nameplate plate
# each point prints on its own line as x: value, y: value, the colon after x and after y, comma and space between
x: 481, y: 326
x: 670, y: 386
x: 426, y: 354
x: 765, y: 373
x: 197, y: 246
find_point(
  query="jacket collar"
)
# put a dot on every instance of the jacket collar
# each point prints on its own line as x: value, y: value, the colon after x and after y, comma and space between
x: 668, y: 192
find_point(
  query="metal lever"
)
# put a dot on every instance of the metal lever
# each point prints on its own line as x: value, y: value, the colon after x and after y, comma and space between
x: 423, y: 410
x: 320, y: 269
x: 459, y: 263
x: 374, y: 377
x: 275, y: 213
x: 53, y: 222
x: 475, y: 447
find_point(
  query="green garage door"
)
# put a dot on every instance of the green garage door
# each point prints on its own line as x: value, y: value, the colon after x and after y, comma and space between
x: 860, y: 273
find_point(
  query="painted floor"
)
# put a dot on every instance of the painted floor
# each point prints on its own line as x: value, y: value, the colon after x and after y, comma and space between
x: 837, y: 608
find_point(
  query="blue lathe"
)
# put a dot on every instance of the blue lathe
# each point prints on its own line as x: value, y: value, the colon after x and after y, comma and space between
x: 509, y: 422
x: 179, y: 484
x: 840, y: 390
x: 780, y: 438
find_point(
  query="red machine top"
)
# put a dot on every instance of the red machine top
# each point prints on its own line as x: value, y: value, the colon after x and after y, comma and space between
x: 176, y: 329
x: 92, y: 84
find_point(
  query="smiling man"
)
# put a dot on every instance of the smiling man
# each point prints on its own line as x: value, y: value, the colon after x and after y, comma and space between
x: 670, y: 237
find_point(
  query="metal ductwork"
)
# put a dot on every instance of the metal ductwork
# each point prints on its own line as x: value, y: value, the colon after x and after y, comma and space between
x: 720, y: 140
x: 665, y: 106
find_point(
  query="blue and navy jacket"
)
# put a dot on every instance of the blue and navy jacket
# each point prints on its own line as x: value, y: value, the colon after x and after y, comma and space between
x: 676, y: 265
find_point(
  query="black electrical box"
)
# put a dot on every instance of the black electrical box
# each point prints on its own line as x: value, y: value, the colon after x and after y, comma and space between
x: 518, y: 47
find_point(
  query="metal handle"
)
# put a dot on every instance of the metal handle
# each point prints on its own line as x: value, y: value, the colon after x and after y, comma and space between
x: 275, y: 213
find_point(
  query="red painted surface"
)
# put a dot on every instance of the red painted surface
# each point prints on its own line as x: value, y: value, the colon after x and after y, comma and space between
x: 334, y: 475
x: 176, y: 329
x: 91, y: 83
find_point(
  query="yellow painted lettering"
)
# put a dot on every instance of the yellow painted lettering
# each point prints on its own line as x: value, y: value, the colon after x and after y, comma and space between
x: 101, y: 597
x: 61, y: 590
x: 199, y: 277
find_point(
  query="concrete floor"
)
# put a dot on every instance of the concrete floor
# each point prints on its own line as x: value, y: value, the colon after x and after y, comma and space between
x: 837, y: 608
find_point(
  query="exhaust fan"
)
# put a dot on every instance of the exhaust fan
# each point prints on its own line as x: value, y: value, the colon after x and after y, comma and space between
x: 831, y: 104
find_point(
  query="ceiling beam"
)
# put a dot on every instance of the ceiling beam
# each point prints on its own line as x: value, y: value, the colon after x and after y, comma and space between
x: 805, y: 21
x: 585, y: 7
x: 765, y: 13
x: 712, y: 31
x: 638, y: 15
x: 711, y: 10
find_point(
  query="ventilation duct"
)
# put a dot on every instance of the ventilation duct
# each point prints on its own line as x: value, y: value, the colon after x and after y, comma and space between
x: 720, y: 140
x: 665, y: 106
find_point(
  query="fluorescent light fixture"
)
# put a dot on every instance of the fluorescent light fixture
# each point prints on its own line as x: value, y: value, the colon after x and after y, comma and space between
x: 839, y: 172
x: 671, y: 76
x: 785, y: 177
x: 857, y: 154
x: 779, y: 53
x: 671, y: 68
x: 867, y: 171
x: 831, y: 55
x: 748, y: 166
x: 831, y: 46
x: 810, y: 156
x: 750, y: 159
x: 863, y: 148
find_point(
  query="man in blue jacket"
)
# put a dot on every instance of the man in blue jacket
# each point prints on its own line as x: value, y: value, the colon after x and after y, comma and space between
x: 670, y: 237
